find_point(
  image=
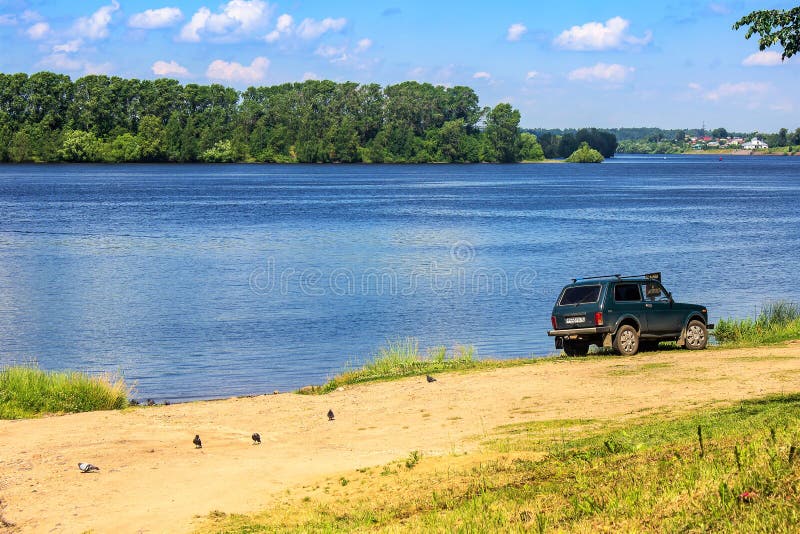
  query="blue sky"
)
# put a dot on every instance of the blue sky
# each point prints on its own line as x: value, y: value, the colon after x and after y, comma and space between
x: 673, y: 64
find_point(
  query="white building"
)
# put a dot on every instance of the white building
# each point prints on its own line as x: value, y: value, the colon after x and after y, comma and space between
x: 755, y: 144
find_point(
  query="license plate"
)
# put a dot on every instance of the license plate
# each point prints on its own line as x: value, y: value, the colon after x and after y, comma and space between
x: 574, y: 320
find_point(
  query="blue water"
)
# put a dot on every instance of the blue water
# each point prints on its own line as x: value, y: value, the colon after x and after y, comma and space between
x: 202, y: 281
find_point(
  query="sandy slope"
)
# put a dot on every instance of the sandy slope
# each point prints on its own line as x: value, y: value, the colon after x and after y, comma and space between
x: 152, y: 479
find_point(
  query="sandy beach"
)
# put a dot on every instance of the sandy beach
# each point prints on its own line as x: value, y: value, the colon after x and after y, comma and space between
x: 153, y: 479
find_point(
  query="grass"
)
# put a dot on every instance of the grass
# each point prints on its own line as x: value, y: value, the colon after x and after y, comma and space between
x: 29, y: 391
x: 402, y: 358
x: 724, y: 470
x: 777, y: 321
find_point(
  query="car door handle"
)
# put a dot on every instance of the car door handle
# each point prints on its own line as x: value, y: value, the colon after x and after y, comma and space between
x: 648, y: 305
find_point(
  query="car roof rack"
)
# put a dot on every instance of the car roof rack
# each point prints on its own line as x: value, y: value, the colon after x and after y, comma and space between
x: 649, y: 276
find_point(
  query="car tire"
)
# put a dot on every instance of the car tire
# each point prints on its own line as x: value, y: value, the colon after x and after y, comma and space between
x: 575, y: 348
x: 626, y: 341
x: 696, y: 335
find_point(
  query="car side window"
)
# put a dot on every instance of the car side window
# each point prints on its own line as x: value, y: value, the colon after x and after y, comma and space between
x: 654, y: 291
x: 627, y: 293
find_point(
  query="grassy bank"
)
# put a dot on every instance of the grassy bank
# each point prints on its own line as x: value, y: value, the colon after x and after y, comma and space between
x: 777, y: 321
x: 402, y: 358
x: 28, y: 392
x: 726, y: 470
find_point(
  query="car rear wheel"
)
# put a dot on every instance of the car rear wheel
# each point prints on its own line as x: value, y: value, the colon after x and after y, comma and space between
x: 696, y: 335
x: 626, y: 342
x: 575, y: 348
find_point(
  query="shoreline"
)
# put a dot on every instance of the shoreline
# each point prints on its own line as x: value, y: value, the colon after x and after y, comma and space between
x: 151, y: 474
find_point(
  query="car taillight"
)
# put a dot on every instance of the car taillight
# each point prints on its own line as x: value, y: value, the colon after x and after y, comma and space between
x: 598, y: 318
x: 553, y: 320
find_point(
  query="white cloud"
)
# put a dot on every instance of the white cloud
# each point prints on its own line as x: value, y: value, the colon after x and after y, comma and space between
x: 311, y: 29
x: 731, y: 90
x: 328, y: 51
x: 156, y: 18
x: 531, y: 75
x: 38, y: 31
x: 598, y: 36
x: 482, y: 75
x: 173, y: 68
x: 8, y: 20
x: 236, y: 72
x: 516, y: 31
x: 95, y: 26
x: 63, y: 62
x: 694, y: 86
x: 602, y: 72
x: 236, y: 18
x: 363, y: 45
x: 310, y: 76
x: 765, y: 58
x: 30, y: 16
x: 191, y: 31
x: 68, y: 47
x: 283, y: 27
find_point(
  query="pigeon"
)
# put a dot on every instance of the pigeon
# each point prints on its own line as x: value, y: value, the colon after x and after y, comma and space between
x: 330, y: 415
x: 430, y: 379
x: 133, y: 402
x: 197, y: 443
x: 166, y: 403
x: 151, y: 402
x: 87, y: 468
x: 256, y: 438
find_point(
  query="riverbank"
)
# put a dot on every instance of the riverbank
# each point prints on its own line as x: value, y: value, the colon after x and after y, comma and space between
x: 152, y: 475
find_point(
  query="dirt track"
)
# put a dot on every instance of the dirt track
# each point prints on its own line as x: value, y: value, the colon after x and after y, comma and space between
x: 152, y: 479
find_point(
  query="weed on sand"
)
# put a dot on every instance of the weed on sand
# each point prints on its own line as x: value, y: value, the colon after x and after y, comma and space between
x: 27, y: 391
x: 727, y: 470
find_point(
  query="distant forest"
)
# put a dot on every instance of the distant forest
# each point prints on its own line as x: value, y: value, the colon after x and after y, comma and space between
x: 47, y: 117
x: 556, y: 142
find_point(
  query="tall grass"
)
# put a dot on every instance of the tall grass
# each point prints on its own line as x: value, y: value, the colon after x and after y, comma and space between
x: 647, y: 476
x: 400, y: 358
x: 777, y: 321
x: 29, y: 391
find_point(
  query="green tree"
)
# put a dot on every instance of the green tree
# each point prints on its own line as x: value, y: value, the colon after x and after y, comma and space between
x: 774, y: 26
x: 719, y: 133
x: 502, y: 132
x: 585, y: 154
x: 150, y: 138
x: 78, y: 146
x: 530, y: 149
x: 124, y: 149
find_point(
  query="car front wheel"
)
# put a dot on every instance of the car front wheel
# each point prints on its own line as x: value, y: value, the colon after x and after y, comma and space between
x: 626, y: 342
x: 696, y: 335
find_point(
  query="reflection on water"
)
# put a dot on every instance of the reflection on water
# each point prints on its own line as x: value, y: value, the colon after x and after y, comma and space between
x: 204, y: 281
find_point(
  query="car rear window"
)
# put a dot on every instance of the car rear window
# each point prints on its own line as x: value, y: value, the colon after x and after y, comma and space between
x: 579, y: 295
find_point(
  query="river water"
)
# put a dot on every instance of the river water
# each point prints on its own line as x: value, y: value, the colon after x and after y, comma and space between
x: 202, y: 281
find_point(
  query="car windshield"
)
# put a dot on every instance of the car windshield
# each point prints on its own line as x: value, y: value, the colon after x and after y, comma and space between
x: 579, y: 295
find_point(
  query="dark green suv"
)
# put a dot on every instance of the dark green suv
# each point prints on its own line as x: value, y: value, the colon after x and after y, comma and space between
x: 625, y: 313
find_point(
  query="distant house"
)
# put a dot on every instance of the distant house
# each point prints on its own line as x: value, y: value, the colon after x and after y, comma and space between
x: 755, y: 144
x: 712, y: 144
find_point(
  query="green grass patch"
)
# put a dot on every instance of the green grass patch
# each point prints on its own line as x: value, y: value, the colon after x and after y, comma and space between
x: 777, y: 321
x: 726, y: 470
x: 29, y: 391
x: 402, y: 358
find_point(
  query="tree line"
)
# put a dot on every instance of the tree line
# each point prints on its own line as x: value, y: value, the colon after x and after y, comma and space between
x: 47, y: 117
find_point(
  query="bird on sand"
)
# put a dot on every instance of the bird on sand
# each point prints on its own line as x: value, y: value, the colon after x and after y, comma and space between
x: 430, y: 379
x: 87, y: 468
x: 256, y: 438
x: 330, y: 415
x: 197, y: 443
